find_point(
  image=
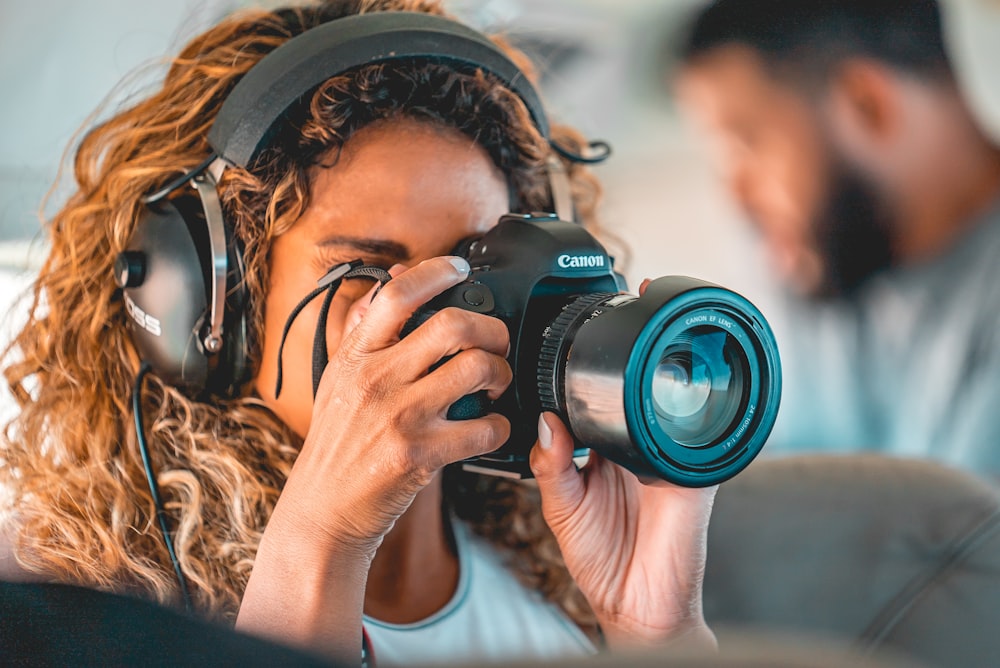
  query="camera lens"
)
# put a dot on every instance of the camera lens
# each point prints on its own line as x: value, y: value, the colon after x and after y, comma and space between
x: 697, y: 388
x: 681, y: 384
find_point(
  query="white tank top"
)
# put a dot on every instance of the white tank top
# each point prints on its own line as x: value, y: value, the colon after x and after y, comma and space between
x: 491, y: 618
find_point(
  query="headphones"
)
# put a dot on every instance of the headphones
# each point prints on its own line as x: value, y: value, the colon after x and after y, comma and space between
x: 181, y: 274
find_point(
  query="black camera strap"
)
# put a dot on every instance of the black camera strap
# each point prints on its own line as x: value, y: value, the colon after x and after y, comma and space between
x: 328, y: 284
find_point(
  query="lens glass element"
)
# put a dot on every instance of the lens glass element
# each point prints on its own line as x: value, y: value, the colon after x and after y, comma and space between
x: 698, y: 386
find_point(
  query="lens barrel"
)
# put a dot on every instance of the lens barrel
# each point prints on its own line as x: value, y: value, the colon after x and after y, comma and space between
x: 681, y: 384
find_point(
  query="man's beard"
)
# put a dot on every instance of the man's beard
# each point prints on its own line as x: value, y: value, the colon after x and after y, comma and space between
x: 852, y: 234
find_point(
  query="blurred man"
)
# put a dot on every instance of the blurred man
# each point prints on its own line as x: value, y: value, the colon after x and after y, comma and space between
x: 843, y: 135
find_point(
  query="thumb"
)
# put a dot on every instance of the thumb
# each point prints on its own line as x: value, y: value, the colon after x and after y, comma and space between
x: 559, y: 482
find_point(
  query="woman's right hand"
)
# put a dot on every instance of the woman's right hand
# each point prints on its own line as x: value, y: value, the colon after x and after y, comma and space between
x: 379, y: 433
x: 379, y: 429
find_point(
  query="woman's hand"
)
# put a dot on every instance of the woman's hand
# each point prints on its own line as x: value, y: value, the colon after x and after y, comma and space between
x: 379, y: 429
x: 637, y: 552
x: 379, y: 432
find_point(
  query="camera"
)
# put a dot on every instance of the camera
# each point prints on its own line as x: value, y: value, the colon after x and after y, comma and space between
x: 681, y: 384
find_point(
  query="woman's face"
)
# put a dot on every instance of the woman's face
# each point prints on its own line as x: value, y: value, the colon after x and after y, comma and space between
x: 402, y: 191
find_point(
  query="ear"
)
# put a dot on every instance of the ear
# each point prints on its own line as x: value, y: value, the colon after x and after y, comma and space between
x: 865, y: 105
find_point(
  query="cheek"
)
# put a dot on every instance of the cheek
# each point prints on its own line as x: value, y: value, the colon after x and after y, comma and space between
x: 288, y: 287
x: 294, y: 404
x: 794, y: 172
x: 791, y: 177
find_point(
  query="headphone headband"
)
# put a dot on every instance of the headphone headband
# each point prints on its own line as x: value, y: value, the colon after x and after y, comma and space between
x: 253, y: 110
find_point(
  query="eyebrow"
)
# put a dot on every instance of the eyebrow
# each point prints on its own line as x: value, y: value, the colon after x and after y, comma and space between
x: 381, y: 247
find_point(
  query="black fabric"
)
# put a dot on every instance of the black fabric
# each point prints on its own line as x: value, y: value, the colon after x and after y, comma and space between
x: 60, y: 625
x: 875, y: 552
x: 320, y: 355
x: 288, y: 326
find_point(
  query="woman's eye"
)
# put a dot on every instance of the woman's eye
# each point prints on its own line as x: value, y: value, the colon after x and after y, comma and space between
x: 350, y: 289
x: 327, y: 261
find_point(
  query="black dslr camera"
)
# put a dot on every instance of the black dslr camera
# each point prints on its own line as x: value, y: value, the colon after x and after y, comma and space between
x: 681, y: 384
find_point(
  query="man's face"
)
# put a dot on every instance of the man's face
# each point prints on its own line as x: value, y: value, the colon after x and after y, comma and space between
x: 820, y: 217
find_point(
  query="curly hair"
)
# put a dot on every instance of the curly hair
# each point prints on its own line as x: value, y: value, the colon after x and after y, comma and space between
x: 70, y: 458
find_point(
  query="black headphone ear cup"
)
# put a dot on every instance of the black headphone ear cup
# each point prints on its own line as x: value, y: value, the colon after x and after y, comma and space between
x: 165, y: 274
x: 165, y: 296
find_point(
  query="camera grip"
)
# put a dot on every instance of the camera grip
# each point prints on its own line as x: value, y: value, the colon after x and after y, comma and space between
x: 468, y: 296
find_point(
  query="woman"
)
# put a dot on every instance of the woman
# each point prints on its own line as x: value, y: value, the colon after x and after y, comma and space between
x: 297, y: 516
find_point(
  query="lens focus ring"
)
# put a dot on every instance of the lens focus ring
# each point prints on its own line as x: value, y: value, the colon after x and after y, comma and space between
x: 555, y: 340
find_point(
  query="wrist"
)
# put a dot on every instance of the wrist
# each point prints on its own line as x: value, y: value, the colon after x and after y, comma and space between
x: 623, y: 633
x: 304, y: 597
x: 296, y: 528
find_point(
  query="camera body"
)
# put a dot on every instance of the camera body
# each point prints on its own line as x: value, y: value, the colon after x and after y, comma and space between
x: 678, y: 385
x: 522, y: 271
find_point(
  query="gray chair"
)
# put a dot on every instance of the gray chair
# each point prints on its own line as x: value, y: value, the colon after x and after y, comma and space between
x: 874, y: 553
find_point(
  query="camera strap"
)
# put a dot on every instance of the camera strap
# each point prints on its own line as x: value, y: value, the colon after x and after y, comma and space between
x: 328, y: 284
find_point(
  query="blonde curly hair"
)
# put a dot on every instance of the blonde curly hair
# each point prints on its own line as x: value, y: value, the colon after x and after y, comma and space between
x: 84, y: 513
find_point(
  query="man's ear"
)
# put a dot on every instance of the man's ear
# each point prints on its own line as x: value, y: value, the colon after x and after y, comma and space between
x: 865, y: 104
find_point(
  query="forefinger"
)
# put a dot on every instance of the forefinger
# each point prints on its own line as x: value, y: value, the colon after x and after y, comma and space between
x: 403, y: 295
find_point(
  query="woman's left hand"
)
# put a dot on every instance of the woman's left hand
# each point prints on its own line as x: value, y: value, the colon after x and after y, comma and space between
x: 637, y: 552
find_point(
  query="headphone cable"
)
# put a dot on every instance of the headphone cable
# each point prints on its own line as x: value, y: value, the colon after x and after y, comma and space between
x: 154, y: 490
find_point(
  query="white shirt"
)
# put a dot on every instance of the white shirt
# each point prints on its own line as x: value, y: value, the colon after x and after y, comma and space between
x: 491, y: 618
x: 911, y: 367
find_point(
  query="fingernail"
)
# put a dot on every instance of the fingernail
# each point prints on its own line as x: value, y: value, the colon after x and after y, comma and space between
x: 461, y: 265
x: 544, y: 433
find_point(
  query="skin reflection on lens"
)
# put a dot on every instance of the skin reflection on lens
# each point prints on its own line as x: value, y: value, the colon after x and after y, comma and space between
x: 681, y: 385
x: 693, y: 386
